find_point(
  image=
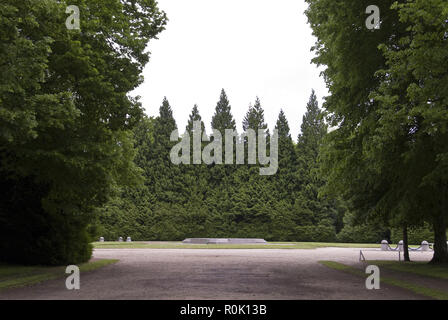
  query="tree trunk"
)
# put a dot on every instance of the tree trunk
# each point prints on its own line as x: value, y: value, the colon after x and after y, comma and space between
x: 405, y: 244
x: 440, y: 246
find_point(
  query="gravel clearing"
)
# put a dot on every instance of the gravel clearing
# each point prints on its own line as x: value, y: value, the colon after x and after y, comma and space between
x: 227, y: 274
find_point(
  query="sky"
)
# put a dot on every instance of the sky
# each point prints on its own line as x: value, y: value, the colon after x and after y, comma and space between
x: 248, y: 47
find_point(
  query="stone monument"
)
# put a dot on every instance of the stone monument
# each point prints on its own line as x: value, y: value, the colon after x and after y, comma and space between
x: 224, y: 241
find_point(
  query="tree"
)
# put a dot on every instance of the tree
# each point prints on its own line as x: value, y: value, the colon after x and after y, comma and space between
x: 387, y: 154
x: 65, y: 120
x: 163, y: 178
x: 195, y: 178
x: 282, y: 126
x: 413, y: 114
x: 254, y: 118
x: 223, y: 118
x: 286, y: 182
x: 221, y: 177
x: 310, y: 208
x: 349, y: 52
x: 284, y: 185
x: 128, y: 214
x: 194, y: 116
x: 252, y: 197
x: 313, y: 129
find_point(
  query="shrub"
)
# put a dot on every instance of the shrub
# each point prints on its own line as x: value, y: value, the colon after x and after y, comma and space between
x: 415, y: 235
x: 319, y: 233
x: 361, y: 234
x: 31, y: 235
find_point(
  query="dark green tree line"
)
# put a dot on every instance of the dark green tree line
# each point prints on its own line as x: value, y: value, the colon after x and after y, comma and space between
x: 213, y: 200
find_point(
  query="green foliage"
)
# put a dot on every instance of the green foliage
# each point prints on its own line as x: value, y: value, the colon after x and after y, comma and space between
x: 361, y: 233
x: 254, y: 118
x: 201, y: 200
x: 414, y: 115
x: 194, y: 116
x: 312, y: 205
x: 32, y: 235
x: 317, y: 233
x: 223, y: 119
x: 388, y: 104
x: 415, y: 235
x: 65, y: 116
x: 126, y: 215
x: 286, y: 182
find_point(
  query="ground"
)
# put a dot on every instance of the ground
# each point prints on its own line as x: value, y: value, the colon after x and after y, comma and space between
x: 229, y: 274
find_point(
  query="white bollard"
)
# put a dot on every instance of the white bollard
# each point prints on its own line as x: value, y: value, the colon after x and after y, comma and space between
x: 400, y: 245
x: 101, y: 239
x: 425, y: 246
x: 384, y: 245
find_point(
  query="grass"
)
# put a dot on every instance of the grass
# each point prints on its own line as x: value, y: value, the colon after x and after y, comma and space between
x: 13, y: 276
x: 428, y: 292
x: 420, y: 268
x: 270, y: 245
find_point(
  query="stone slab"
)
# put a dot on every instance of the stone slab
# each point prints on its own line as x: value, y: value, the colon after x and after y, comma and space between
x: 224, y: 241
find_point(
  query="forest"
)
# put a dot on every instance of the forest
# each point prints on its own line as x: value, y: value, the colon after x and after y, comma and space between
x: 178, y: 201
x: 80, y: 159
x: 226, y: 200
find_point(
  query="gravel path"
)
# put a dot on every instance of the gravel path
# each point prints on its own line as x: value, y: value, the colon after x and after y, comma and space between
x: 221, y: 274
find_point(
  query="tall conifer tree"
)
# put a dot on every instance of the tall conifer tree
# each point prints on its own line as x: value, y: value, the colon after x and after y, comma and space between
x: 194, y: 116
x: 223, y: 118
x: 254, y: 118
x: 312, y: 210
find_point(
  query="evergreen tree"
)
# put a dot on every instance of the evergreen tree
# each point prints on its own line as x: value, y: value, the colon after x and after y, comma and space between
x: 312, y: 210
x: 165, y: 122
x: 313, y: 129
x: 253, y: 198
x: 282, y: 127
x: 286, y: 178
x: 254, y: 118
x: 194, y: 116
x: 221, y: 177
x: 223, y: 118
x: 195, y: 178
x: 163, y: 180
x: 284, y: 184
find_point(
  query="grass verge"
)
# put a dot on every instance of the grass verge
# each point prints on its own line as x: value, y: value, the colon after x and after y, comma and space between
x: 420, y: 268
x: 270, y: 245
x: 13, y: 276
x: 428, y: 292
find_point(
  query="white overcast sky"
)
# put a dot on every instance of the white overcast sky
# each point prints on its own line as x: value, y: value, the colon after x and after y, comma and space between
x: 248, y: 47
